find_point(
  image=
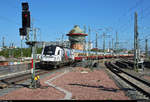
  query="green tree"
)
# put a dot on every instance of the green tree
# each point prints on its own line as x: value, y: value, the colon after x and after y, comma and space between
x: 16, y: 52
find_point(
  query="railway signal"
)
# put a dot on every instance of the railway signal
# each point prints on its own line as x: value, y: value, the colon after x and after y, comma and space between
x: 25, y: 19
x: 25, y: 15
x: 25, y: 6
x: 24, y: 32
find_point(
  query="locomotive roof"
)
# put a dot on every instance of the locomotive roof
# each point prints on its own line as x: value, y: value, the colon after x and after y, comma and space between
x: 58, y: 46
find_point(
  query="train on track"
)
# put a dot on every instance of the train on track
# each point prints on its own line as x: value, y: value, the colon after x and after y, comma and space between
x: 54, y: 55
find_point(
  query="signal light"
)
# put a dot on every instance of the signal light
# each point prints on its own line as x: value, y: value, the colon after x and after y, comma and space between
x: 25, y: 15
x: 25, y: 6
x: 25, y: 19
x: 23, y: 32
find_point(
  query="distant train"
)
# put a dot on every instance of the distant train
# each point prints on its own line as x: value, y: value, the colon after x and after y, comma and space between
x: 54, y: 55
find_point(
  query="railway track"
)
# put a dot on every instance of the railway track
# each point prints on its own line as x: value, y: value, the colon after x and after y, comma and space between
x: 128, y: 62
x: 6, y: 82
x: 140, y: 85
x: 122, y: 64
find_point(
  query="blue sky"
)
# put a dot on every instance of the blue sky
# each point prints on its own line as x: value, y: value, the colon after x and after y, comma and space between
x: 57, y: 17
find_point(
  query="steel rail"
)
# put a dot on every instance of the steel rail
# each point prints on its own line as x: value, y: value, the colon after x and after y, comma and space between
x: 116, y: 70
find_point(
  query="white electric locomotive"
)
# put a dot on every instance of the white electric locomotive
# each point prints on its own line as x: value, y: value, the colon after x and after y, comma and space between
x: 56, y: 56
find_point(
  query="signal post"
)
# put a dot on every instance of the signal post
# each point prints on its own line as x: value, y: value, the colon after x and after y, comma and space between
x: 24, y: 33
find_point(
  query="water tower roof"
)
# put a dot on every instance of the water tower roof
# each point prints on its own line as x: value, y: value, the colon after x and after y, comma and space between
x: 76, y: 29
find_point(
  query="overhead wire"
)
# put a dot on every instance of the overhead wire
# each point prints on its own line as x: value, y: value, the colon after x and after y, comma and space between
x: 139, y: 2
x: 124, y: 28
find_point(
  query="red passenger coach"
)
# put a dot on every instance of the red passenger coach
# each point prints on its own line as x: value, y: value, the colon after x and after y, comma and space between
x: 97, y: 57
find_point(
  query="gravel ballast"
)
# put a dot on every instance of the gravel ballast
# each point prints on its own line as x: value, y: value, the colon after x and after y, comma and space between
x: 44, y: 93
x: 90, y: 85
x: 83, y: 83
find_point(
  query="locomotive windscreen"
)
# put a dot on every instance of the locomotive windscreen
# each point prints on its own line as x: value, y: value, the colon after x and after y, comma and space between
x: 49, y: 50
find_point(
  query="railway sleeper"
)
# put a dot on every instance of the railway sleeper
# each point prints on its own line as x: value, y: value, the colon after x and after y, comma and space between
x: 133, y: 76
x: 145, y: 93
x: 123, y: 65
x: 112, y: 68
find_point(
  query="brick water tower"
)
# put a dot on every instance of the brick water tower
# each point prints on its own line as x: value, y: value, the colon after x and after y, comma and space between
x: 77, y: 38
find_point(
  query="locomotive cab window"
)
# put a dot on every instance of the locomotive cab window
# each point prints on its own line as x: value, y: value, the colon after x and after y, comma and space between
x: 49, y: 50
x: 58, y: 52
